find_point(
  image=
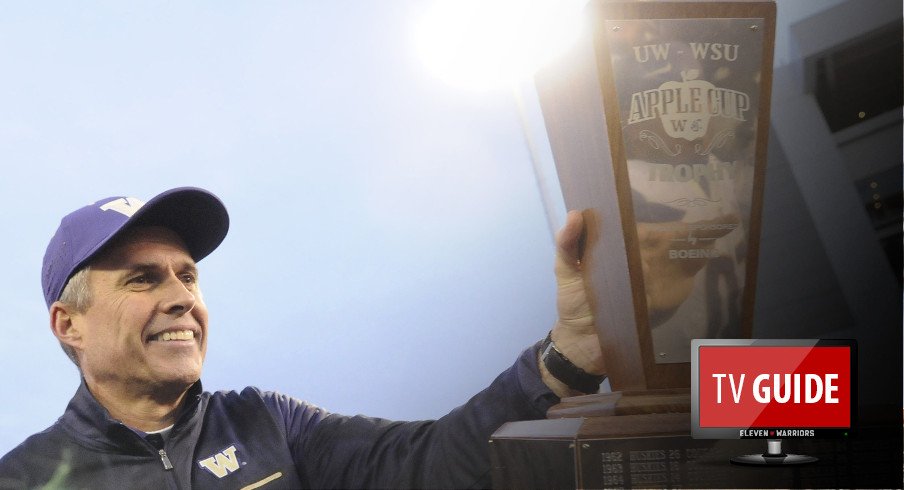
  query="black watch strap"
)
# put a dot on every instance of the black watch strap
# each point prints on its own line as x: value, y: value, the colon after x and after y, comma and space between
x: 565, y: 371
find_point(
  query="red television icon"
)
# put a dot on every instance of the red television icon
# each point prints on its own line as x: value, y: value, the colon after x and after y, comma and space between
x: 773, y: 389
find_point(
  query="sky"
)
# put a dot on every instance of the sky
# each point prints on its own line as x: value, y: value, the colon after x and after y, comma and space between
x: 389, y: 251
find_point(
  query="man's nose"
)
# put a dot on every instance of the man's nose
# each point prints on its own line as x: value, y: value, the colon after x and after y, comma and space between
x: 178, y: 298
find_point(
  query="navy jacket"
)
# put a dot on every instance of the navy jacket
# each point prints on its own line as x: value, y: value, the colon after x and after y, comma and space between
x: 234, y: 439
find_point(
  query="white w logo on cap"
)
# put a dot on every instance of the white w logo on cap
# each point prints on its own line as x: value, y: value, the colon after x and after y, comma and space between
x: 124, y: 205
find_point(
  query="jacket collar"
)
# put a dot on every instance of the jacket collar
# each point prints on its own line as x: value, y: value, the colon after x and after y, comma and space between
x: 89, y: 423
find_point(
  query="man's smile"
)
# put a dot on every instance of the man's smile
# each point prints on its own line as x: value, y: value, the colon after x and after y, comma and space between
x: 174, y: 334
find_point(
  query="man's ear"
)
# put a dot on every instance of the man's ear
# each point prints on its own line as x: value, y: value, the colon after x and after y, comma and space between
x: 63, y: 326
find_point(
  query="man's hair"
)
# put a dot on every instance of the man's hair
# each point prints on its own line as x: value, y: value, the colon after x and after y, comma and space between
x: 77, y: 295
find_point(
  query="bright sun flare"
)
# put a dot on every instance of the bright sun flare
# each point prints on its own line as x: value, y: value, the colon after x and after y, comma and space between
x: 494, y: 43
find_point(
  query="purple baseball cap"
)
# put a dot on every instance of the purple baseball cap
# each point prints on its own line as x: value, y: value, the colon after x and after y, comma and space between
x: 196, y: 215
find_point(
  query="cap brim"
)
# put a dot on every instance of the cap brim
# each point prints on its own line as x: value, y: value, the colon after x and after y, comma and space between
x: 196, y: 215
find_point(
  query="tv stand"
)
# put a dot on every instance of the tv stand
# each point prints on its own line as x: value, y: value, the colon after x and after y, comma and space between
x: 774, y: 456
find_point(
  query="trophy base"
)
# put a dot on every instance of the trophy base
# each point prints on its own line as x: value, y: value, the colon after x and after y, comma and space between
x: 664, y: 401
x: 657, y: 451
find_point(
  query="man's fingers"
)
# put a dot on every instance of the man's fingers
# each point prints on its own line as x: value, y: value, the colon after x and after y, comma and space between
x: 573, y: 306
x: 570, y: 237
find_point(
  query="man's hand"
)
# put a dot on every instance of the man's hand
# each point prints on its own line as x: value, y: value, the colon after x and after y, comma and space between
x: 575, y: 331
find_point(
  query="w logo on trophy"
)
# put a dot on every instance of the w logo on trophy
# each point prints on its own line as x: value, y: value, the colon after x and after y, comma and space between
x: 691, y: 120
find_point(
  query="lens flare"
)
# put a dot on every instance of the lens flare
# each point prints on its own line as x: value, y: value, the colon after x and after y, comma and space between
x: 494, y: 43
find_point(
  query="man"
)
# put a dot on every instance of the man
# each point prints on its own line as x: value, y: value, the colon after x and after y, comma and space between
x: 121, y: 284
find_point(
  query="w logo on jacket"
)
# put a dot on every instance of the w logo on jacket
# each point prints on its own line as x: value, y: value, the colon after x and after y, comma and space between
x: 221, y: 463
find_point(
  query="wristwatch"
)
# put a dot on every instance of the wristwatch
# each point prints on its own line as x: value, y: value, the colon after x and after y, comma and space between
x: 565, y: 371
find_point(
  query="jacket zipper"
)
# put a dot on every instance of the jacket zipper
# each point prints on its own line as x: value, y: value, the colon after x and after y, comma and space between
x: 167, y: 465
x: 157, y: 442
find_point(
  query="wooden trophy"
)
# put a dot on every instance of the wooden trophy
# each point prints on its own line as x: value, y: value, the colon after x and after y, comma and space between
x: 658, y: 122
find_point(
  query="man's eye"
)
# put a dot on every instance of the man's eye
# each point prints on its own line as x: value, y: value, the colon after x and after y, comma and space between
x: 189, y: 278
x: 140, y: 280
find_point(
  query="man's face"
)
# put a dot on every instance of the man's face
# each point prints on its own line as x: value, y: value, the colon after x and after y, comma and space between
x: 146, y: 326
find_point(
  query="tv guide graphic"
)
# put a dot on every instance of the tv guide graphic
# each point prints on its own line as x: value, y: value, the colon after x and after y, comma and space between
x: 773, y: 389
